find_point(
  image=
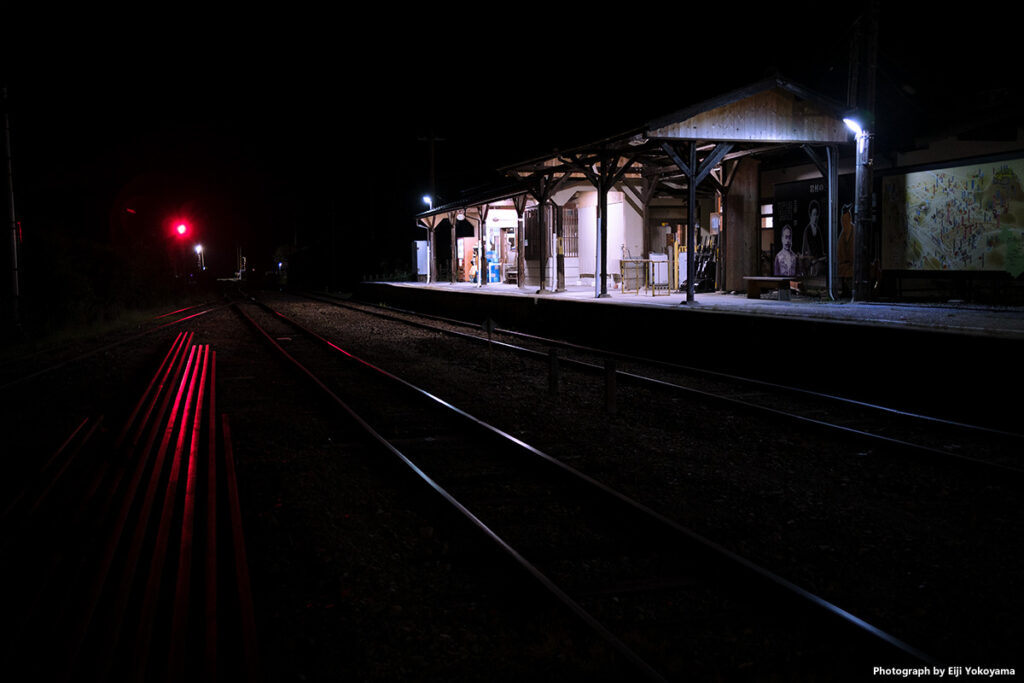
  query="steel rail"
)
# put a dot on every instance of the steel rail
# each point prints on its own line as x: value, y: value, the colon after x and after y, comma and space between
x: 722, y: 398
x: 243, y: 583
x: 87, y: 520
x: 63, y: 457
x: 210, y: 622
x: 665, y: 364
x: 58, y: 459
x: 712, y: 548
x: 796, y: 417
x: 182, y: 590
x: 510, y: 552
x: 177, y: 431
x: 102, y: 574
x: 193, y: 397
x: 105, y: 347
x: 114, y: 583
x: 181, y: 310
x: 16, y: 517
x: 152, y: 391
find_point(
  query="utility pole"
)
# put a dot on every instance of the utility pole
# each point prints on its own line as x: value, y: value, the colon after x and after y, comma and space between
x: 15, y: 293
x: 861, y: 96
x: 431, y: 139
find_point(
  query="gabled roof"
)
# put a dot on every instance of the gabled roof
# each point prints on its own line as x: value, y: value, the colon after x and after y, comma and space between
x: 771, y: 116
x: 820, y: 104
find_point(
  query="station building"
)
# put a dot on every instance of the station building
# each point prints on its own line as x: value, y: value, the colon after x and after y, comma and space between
x: 766, y: 186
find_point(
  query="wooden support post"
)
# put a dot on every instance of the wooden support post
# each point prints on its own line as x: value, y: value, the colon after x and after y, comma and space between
x: 542, y: 246
x: 691, y: 229
x: 559, y: 248
x: 601, y: 266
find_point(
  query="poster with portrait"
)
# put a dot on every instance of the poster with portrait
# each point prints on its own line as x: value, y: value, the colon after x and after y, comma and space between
x: 800, y: 220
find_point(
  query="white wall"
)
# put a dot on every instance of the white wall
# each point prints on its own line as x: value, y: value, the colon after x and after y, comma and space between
x: 587, y: 217
x: 633, y: 231
x: 625, y: 228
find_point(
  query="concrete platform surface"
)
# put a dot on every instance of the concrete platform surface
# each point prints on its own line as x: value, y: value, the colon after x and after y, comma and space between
x: 952, y: 316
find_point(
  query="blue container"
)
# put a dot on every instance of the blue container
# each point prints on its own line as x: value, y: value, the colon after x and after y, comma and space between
x: 494, y: 272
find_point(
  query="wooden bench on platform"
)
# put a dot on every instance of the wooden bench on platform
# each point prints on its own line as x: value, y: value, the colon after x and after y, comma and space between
x: 757, y: 283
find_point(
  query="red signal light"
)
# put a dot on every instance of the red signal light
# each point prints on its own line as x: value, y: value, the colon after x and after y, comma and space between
x: 180, y: 226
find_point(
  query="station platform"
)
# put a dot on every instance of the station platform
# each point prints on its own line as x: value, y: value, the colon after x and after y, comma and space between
x: 951, y: 359
x: 951, y: 316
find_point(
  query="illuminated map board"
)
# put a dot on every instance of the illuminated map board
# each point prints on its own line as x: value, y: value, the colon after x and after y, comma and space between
x: 959, y: 218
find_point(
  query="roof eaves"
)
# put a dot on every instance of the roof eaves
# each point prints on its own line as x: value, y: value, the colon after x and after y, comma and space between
x: 491, y: 194
x: 825, y: 103
x: 596, y: 145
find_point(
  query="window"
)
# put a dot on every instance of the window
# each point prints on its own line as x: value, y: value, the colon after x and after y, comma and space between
x: 767, y: 228
x: 570, y: 232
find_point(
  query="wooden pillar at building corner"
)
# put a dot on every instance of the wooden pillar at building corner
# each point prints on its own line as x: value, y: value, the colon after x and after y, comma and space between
x: 542, y: 237
x: 431, y: 254
x: 558, y: 217
x: 519, y: 202
x: 719, y: 249
x: 483, y: 270
x: 428, y: 223
x: 695, y: 174
x: 543, y: 186
x: 601, y: 253
x: 832, y: 152
x: 603, y: 171
x: 829, y: 170
x: 691, y: 222
x: 454, y: 249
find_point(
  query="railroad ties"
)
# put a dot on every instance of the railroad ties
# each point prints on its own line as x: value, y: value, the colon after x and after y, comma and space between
x: 125, y: 560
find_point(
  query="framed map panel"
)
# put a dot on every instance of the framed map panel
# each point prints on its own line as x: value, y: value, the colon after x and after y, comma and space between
x: 959, y: 218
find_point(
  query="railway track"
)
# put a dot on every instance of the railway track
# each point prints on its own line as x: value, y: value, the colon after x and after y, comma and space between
x: 123, y: 555
x: 27, y: 367
x: 892, y: 539
x: 885, y: 429
x: 644, y: 583
x: 46, y: 394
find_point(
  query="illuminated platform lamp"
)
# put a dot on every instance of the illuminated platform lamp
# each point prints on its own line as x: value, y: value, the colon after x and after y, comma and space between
x: 429, y: 201
x: 861, y: 124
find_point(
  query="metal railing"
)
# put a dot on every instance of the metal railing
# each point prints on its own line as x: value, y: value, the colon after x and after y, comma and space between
x: 650, y: 276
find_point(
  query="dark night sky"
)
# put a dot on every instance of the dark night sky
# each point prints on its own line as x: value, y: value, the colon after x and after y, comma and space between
x: 260, y: 127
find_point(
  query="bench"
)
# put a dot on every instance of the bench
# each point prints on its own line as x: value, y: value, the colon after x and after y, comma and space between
x: 757, y: 283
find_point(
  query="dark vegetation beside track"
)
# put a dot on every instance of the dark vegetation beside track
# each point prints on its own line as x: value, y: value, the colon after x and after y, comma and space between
x: 110, y: 293
x: 71, y: 285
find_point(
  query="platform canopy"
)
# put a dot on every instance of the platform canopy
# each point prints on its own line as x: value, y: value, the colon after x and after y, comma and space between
x: 773, y: 119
